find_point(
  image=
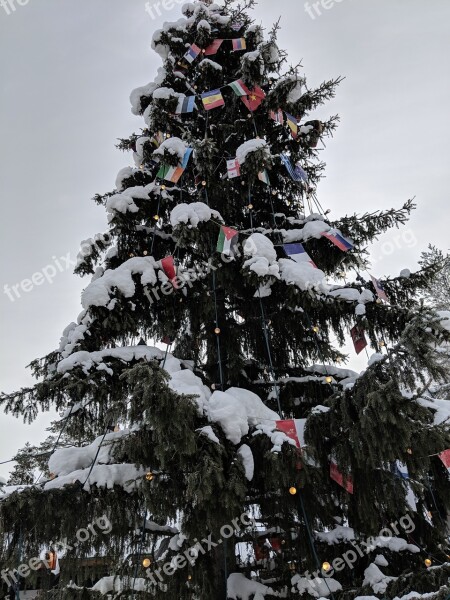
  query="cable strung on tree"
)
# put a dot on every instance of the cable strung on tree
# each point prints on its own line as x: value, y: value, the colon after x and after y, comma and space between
x: 141, y: 543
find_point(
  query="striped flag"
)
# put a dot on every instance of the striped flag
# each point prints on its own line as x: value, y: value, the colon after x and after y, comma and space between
x: 297, y: 174
x: 227, y: 241
x: 294, y: 429
x: 264, y: 177
x: 185, y: 105
x: 157, y: 139
x: 213, y: 48
x: 237, y: 26
x: 213, y: 99
x: 168, y: 266
x: 299, y: 254
x: 239, y: 88
x: 173, y: 174
x: 239, y: 44
x: 379, y: 289
x: 293, y: 125
x: 445, y: 457
x: 335, y: 236
x: 192, y: 53
x: 277, y: 116
x: 233, y: 168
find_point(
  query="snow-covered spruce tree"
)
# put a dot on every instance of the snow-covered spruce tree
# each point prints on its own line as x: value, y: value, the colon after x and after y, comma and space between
x: 254, y: 337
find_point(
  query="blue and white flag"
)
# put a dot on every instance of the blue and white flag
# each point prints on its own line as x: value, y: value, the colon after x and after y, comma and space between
x: 298, y: 253
x: 297, y: 173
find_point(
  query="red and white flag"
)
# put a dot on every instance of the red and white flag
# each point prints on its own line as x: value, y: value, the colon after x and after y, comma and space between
x: 168, y: 265
x: 445, y: 457
x: 359, y: 338
x: 294, y: 429
x: 233, y: 168
x: 379, y: 289
x: 344, y: 481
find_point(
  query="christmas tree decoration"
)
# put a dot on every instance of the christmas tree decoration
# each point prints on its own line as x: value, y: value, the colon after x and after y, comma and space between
x: 213, y: 48
x: 239, y: 44
x: 254, y: 100
x: 233, y: 168
x: 277, y: 116
x: 264, y: 177
x: 428, y: 562
x: 228, y: 239
x: 213, y: 99
x: 293, y: 125
x: 379, y: 289
x: 239, y: 88
x: 445, y: 458
x: 298, y: 253
x: 358, y: 338
x: 336, y: 237
x: 224, y: 360
x: 186, y: 105
x: 344, y: 481
x: 192, y: 53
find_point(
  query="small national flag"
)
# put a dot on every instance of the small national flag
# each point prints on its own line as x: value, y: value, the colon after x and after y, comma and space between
x: 181, y: 68
x: 294, y: 429
x: 237, y: 26
x: 254, y: 99
x: 379, y: 289
x: 445, y: 457
x: 293, y: 125
x: 298, y: 253
x: 185, y: 105
x: 233, y: 168
x: 264, y: 177
x: 338, y: 477
x: 277, y: 115
x: 213, y: 48
x: 227, y: 240
x: 192, y: 53
x: 239, y: 88
x: 157, y: 139
x: 173, y: 174
x: 239, y: 44
x: 359, y: 338
x: 400, y: 470
x: 213, y: 99
x: 168, y: 266
x: 335, y: 236
x: 300, y: 173
x: 297, y: 174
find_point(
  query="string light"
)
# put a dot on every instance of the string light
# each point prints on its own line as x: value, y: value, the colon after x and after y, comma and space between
x: 189, y: 577
x: 409, y: 451
x: 203, y: 183
x: 250, y: 206
x: 146, y: 563
x: 326, y: 566
x: 274, y: 192
x: 382, y: 343
x: 217, y: 330
x: 378, y: 301
x: 428, y: 562
x: 329, y: 379
x: 292, y: 491
x: 145, y: 252
x: 163, y: 187
x: 156, y: 217
x: 315, y: 329
x: 149, y: 476
x: 131, y: 255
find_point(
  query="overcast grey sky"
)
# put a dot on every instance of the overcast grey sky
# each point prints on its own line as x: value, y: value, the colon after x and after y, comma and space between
x: 67, y: 68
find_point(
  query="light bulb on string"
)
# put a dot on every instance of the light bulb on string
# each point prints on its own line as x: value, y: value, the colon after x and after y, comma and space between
x: 428, y: 562
x: 326, y: 566
x: 146, y: 563
x: 217, y: 330
x: 315, y: 329
x: 328, y: 379
x: 156, y: 217
x: 250, y: 206
x: 149, y: 476
x: 292, y: 490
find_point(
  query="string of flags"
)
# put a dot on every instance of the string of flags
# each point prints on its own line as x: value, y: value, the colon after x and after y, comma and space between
x: 297, y: 173
x: 358, y: 338
x: 228, y: 239
x: 168, y: 266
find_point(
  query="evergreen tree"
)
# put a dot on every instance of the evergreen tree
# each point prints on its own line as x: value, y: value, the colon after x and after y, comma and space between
x: 252, y: 338
x: 437, y: 293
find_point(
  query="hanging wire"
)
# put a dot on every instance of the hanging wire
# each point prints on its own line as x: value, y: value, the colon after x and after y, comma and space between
x: 141, y: 544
